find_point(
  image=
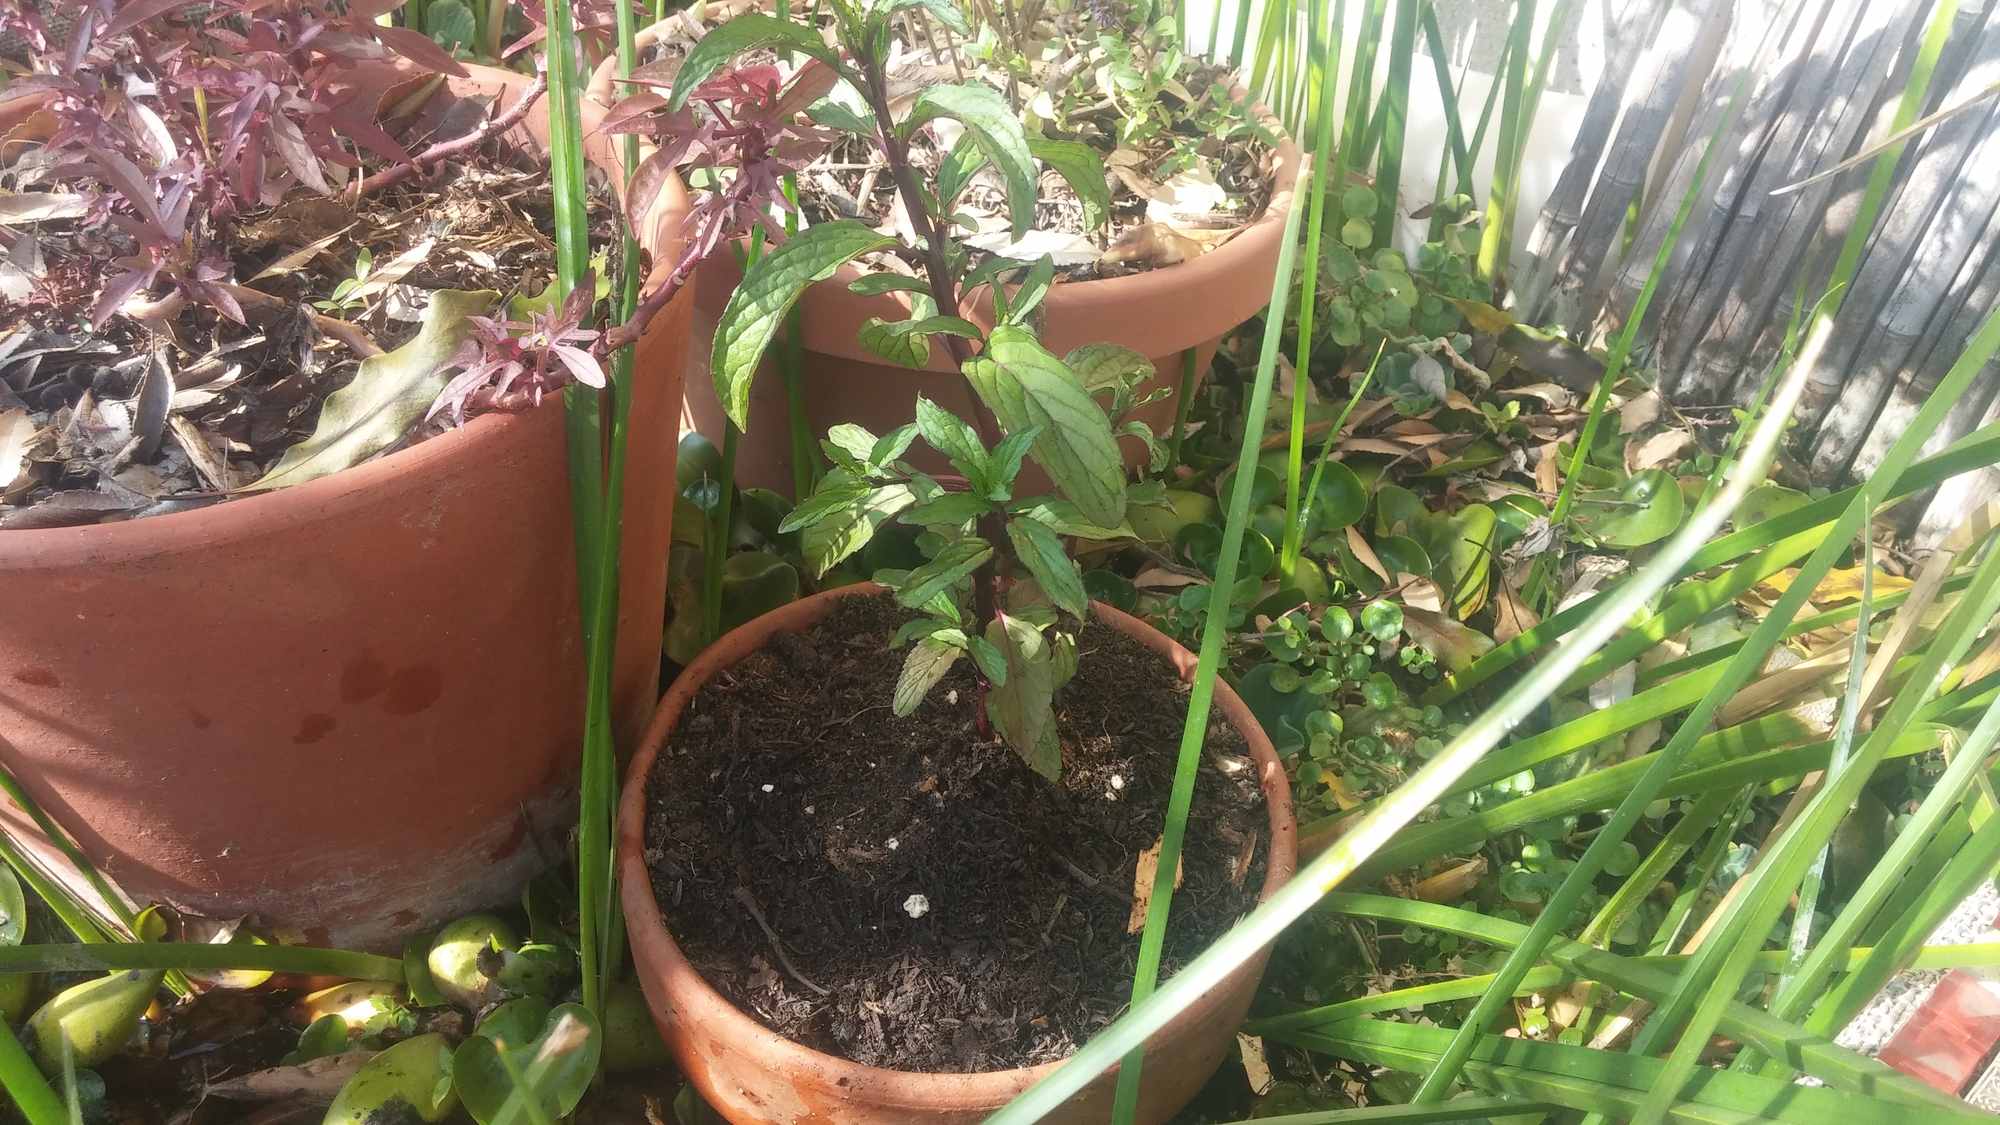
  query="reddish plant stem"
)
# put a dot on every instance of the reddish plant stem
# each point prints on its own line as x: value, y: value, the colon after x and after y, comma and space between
x: 944, y: 291
x: 499, y: 123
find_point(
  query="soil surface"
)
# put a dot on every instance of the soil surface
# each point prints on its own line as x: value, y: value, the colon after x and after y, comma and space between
x: 243, y: 394
x: 848, y: 181
x: 941, y: 907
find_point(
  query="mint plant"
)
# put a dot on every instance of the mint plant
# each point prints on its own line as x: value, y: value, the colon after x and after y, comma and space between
x: 1000, y: 583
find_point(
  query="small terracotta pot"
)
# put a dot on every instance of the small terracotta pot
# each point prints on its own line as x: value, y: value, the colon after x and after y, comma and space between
x: 752, y: 1074
x: 1161, y: 313
x: 352, y: 707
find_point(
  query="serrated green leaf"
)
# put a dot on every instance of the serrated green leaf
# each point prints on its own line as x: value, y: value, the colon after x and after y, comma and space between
x: 767, y: 292
x: 955, y: 438
x: 952, y: 509
x: 908, y: 342
x: 1083, y: 170
x: 1024, y: 385
x: 1022, y: 708
x: 956, y: 170
x: 748, y: 32
x: 1109, y: 365
x: 837, y: 489
x: 1005, y: 463
x: 854, y: 441
x: 1156, y: 452
x: 1041, y: 551
x: 849, y: 527
x: 1027, y: 297
x: 945, y: 11
x: 918, y: 629
x: 894, y: 444
x: 927, y: 663
x: 450, y: 24
x: 875, y: 284
x: 832, y: 115
x: 992, y: 662
x: 959, y: 558
x: 996, y: 128
x: 1064, y: 518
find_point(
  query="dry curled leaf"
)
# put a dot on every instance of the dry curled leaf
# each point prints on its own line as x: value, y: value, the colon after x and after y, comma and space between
x: 1660, y: 449
x: 1150, y: 245
x: 1638, y: 411
x: 1142, y: 885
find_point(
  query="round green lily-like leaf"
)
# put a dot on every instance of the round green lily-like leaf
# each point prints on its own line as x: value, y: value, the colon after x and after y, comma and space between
x: 1357, y: 233
x: 1402, y: 555
x: 1768, y: 501
x: 1358, y: 202
x: 1111, y: 588
x: 1398, y: 511
x: 1513, y: 513
x: 521, y: 1028
x: 697, y: 460
x: 1281, y: 712
x: 1159, y: 524
x: 1266, y: 487
x: 1201, y: 545
x: 1340, y: 501
x: 1645, y: 509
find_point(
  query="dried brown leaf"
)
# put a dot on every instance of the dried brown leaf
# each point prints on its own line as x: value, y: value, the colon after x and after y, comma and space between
x: 1142, y: 885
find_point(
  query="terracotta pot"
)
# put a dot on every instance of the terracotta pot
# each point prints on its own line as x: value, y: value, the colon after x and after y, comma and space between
x: 352, y: 707
x: 751, y: 1074
x: 1160, y: 313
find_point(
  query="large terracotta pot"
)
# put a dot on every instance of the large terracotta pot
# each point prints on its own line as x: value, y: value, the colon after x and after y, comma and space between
x: 1161, y: 313
x: 352, y: 707
x: 751, y: 1074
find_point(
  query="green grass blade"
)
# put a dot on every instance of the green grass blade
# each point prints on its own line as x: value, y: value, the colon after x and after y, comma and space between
x: 1672, y: 927
x: 1457, y: 155
x: 1494, y: 237
x: 1475, y: 1109
x: 1545, y: 977
x: 1977, y: 450
x: 1395, y: 121
x: 1843, y: 746
x: 198, y: 957
x: 1721, y: 962
x: 1288, y: 555
x: 1340, y: 860
x: 1603, y: 1081
x: 1215, y: 629
x: 36, y: 1100
x: 1295, y: 526
x: 1936, y: 897
x: 1807, y: 981
x: 595, y: 428
x: 1815, y: 1054
x: 1556, y: 912
x: 1701, y: 817
x: 1183, y: 407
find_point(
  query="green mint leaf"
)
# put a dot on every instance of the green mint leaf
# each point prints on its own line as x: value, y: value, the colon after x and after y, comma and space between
x: 996, y: 129
x: 927, y: 663
x: 959, y: 559
x: 749, y: 32
x: 1041, y: 551
x: 1026, y: 386
x: 767, y: 292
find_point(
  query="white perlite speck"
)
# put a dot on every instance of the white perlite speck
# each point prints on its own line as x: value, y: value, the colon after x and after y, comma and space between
x: 769, y: 788
x: 916, y: 906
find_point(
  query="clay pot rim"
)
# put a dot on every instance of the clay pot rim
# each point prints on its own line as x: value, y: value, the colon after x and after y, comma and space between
x: 246, y: 515
x: 1257, y: 241
x: 700, y: 1002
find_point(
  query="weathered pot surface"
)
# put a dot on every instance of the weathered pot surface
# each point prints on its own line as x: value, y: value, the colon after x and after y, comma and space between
x: 1161, y: 313
x: 751, y: 1074
x: 352, y: 707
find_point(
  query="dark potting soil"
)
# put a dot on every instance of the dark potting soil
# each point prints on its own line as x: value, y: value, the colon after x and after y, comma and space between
x: 941, y: 907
